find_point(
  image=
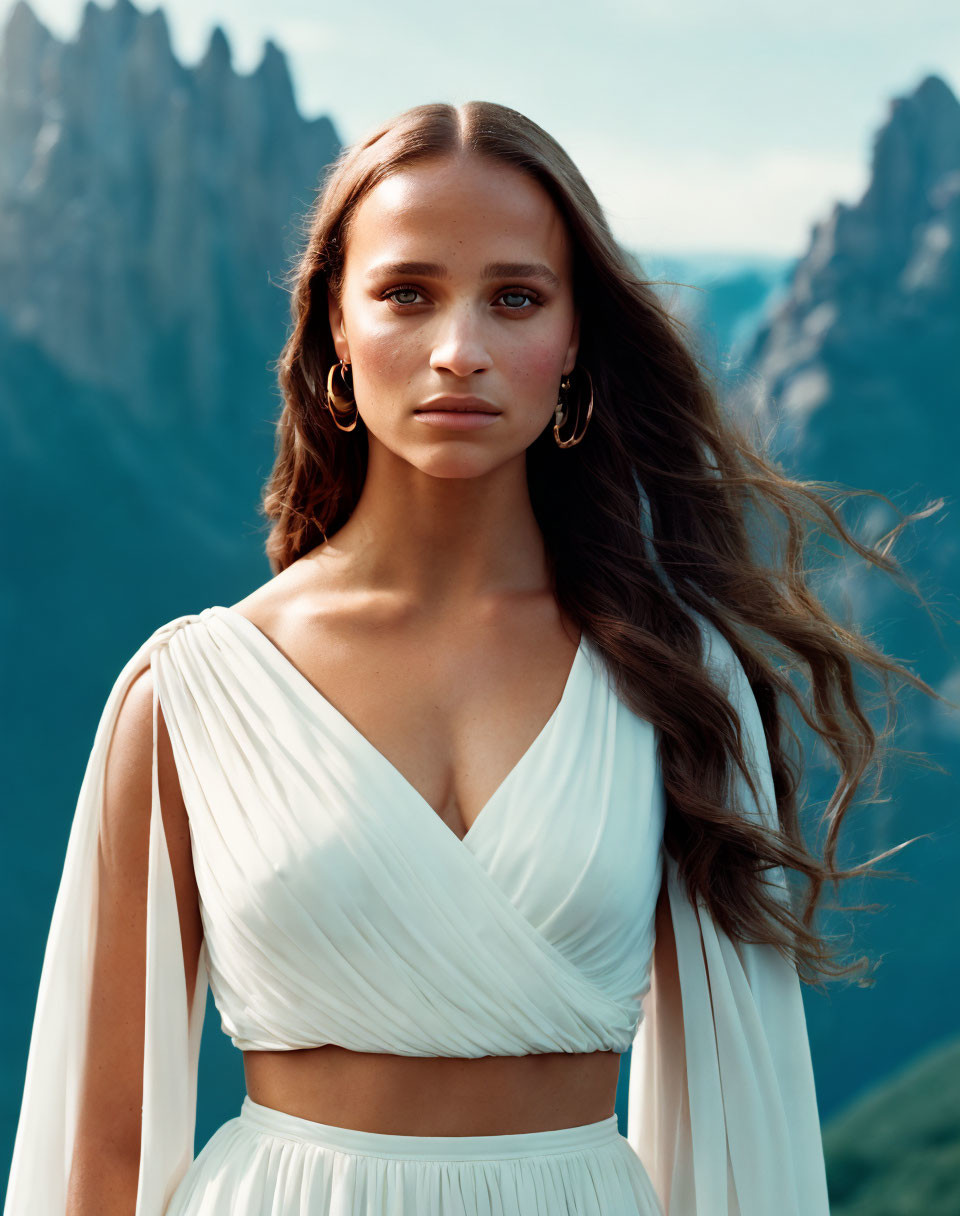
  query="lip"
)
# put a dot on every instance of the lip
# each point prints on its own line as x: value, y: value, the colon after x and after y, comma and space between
x: 456, y: 420
x: 472, y: 405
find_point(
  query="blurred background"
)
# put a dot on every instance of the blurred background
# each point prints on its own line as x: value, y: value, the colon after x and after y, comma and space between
x: 790, y: 177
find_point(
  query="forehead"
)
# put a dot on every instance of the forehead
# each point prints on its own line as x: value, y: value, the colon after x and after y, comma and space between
x: 458, y: 210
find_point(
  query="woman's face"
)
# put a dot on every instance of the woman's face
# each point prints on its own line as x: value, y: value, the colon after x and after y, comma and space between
x: 483, y: 307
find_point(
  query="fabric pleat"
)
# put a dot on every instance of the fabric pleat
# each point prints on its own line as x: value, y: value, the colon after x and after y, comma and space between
x: 269, y: 1163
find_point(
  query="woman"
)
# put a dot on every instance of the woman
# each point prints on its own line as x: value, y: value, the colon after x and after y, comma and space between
x: 540, y: 810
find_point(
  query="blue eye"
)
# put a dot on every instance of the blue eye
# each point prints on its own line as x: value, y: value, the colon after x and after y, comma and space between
x: 397, y: 290
x: 521, y: 294
x: 524, y: 295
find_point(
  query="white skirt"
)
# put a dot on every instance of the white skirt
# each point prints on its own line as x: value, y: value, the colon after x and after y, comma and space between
x: 265, y: 1162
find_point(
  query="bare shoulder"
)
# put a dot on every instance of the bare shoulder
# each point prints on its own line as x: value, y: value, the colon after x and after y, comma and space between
x: 310, y: 597
x: 284, y: 593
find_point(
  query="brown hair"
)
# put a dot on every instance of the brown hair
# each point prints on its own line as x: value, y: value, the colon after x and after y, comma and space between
x: 661, y: 479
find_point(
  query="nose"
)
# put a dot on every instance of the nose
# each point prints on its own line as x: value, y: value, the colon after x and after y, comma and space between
x: 460, y: 346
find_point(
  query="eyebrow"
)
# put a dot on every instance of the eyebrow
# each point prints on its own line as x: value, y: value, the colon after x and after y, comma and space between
x: 493, y: 270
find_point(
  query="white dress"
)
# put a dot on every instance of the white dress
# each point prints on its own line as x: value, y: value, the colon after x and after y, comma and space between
x: 337, y: 907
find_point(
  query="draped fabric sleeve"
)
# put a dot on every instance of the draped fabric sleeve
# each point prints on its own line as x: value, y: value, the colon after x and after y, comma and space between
x: 43, y: 1147
x: 721, y: 1106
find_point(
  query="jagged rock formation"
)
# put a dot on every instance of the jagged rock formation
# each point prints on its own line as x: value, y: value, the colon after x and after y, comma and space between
x: 146, y: 208
x: 859, y: 363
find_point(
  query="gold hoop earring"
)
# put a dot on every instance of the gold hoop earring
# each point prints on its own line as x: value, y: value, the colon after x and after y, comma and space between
x: 339, y: 398
x: 561, y: 413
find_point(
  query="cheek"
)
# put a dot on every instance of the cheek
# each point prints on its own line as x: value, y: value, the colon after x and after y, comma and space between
x: 536, y: 365
x: 377, y: 345
x: 382, y: 355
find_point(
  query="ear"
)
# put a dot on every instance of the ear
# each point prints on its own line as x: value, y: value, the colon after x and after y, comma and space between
x: 337, y: 328
x: 570, y: 361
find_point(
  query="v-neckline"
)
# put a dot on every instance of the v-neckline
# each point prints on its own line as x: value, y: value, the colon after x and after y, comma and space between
x: 310, y: 689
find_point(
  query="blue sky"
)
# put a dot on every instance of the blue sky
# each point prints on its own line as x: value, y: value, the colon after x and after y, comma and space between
x: 701, y: 126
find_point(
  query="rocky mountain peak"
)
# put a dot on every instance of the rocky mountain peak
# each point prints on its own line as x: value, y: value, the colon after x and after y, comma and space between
x: 145, y: 206
x: 870, y: 324
x: 217, y: 59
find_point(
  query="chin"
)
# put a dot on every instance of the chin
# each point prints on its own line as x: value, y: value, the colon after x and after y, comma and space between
x: 456, y: 466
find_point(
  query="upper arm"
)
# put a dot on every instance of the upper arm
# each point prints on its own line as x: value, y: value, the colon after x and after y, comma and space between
x: 111, y: 1095
x: 665, y: 947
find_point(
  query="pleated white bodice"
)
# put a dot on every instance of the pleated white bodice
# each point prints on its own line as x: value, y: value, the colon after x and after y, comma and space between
x: 338, y: 907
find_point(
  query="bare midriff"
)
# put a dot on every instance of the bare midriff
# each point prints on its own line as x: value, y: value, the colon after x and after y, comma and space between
x: 435, y: 1095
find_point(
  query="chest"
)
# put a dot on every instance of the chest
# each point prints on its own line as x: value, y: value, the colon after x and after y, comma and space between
x: 454, y: 722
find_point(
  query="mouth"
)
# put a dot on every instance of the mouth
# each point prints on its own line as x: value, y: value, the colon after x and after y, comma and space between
x: 457, y: 405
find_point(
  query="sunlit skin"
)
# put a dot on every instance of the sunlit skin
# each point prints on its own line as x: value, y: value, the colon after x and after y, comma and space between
x: 427, y: 619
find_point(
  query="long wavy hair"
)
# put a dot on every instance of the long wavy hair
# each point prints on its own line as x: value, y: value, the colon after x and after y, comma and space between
x: 661, y: 478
